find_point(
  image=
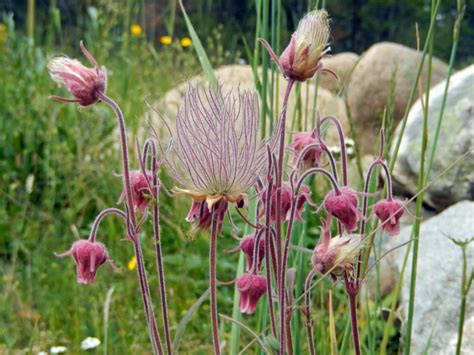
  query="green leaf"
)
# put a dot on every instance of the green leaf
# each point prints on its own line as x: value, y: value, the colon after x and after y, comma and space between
x: 187, y: 317
x: 201, y: 53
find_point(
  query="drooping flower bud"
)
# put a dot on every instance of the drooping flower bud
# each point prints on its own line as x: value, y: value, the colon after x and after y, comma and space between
x: 308, y: 44
x: 247, y: 245
x: 336, y: 254
x: 286, y: 201
x: 89, y: 256
x: 252, y: 288
x: 343, y: 206
x: 200, y: 215
x: 140, y: 190
x: 313, y: 155
x: 389, y: 212
x: 86, y: 84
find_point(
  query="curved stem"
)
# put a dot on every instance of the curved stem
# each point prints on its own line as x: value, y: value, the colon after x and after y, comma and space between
x: 366, y: 198
x: 101, y: 216
x: 307, y: 300
x: 159, y: 257
x: 342, y: 143
x: 125, y: 165
x: 313, y: 171
x: 212, y: 281
x: 144, y: 288
x: 332, y: 161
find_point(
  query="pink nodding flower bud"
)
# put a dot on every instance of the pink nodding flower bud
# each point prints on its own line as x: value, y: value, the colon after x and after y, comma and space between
x: 335, y: 254
x: 247, y: 245
x: 389, y: 212
x: 200, y: 215
x: 140, y: 190
x: 286, y: 201
x: 313, y: 156
x: 343, y: 206
x: 251, y: 288
x: 89, y: 256
x: 308, y: 44
x: 86, y: 84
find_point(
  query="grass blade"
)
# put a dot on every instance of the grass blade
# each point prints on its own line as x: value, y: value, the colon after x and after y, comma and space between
x: 201, y: 53
x: 187, y: 317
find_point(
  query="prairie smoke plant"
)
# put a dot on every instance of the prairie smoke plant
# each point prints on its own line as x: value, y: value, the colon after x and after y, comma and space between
x: 389, y: 211
x: 287, y: 199
x: 309, y: 43
x: 216, y: 158
x: 89, y: 256
x: 251, y: 287
x: 88, y: 85
x: 247, y: 245
x: 217, y: 155
x: 85, y: 84
x: 343, y: 205
x: 335, y: 254
x: 303, y: 141
x: 140, y: 190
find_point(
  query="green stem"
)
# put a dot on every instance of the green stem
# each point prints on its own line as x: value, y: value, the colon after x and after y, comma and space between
x: 212, y: 282
x: 414, y: 87
x: 419, y: 200
x: 457, y: 25
x: 464, y: 291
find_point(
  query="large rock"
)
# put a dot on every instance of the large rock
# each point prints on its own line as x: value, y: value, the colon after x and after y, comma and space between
x: 241, y: 76
x: 343, y: 64
x: 381, y: 66
x: 456, y: 138
x: 438, y: 282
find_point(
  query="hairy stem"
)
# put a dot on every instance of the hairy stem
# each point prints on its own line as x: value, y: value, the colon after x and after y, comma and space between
x: 100, y: 217
x: 144, y: 288
x: 279, y: 217
x: 159, y: 256
x: 342, y: 143
x: 464, y: 291
x: 307, y: 304
x: 352, y: 295
x: 145, y: 291
x: 212, y: 281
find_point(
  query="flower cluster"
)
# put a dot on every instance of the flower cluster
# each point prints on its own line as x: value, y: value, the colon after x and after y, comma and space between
x: 217, y: 156
x: 218, y: 160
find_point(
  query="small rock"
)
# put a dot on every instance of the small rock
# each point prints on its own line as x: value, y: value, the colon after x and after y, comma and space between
x: 456, y: 138
x: 371, y: 81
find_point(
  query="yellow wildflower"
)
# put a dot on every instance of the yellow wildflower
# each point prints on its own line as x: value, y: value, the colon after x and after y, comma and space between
x: 3, y: 33
x: 166, y: 40
x: 132, y: 264
x: 185, y: 42
x: 136, y: 30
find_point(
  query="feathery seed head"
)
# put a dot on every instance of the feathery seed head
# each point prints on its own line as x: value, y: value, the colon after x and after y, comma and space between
x: 217, y: 154
x: 85, y: 84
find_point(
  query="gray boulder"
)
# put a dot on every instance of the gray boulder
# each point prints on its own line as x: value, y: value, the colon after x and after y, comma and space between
x: 456, y: 138
x: 382, y: 66
x: 438, y: 283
